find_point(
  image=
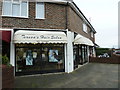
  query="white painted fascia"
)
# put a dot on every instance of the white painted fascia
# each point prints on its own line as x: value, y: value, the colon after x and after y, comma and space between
x: 64, y: 1
x: 3, y: 29
x: 39, y: 29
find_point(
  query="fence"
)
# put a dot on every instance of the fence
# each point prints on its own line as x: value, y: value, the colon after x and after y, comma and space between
x: 111, y: 60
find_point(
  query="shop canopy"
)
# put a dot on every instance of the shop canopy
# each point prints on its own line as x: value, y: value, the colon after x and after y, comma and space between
x: 5, y: 36
x: 23, y: 36
x: 79, y: 39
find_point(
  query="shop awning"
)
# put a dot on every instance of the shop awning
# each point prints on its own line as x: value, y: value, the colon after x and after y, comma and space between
x: 5, y: 36
x: 79, y: 39
x: 23, y: 36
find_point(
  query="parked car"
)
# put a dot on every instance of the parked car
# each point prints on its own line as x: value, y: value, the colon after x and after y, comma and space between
x: 104, y: 55
x: 116, y: 52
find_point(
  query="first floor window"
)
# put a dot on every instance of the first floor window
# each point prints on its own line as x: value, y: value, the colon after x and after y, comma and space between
x: 7, y: 7
x: 40, y: 10
x: 15, y: 8
x: 92, y: 34
x: 84, y: 27
x: 24, y: 10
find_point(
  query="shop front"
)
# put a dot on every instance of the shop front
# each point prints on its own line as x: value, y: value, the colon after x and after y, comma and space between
x: 81, y: 50
x: 39, y: 52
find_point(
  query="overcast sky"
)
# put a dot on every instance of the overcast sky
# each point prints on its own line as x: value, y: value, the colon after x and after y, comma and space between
x: 104, y: 18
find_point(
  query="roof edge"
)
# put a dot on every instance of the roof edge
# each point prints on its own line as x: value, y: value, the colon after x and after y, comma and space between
x: 78, y: 11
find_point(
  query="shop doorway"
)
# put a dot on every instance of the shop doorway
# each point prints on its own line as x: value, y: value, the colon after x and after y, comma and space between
x: 77, y: 57
x: 80, y: 55
x: 84, y: 54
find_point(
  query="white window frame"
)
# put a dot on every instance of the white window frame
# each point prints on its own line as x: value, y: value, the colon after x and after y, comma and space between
x: 13, y: 2
x: 17, y: 3
x: 36, y: 11
x: 85, y: 28
x: 92, y: 34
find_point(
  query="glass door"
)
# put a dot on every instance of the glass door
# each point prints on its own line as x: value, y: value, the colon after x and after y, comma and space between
x: 80, y: 55
x: 86, y: 54
x: 75, y: 56
x: 83, y: 54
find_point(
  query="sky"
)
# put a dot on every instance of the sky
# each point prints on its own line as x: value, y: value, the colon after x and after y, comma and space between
x: 103, y: 15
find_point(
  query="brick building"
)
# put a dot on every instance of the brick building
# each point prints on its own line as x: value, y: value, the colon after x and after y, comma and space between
x: 46, y: 36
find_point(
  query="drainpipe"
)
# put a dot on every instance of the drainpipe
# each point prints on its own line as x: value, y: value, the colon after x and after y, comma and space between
x: 66, y: 16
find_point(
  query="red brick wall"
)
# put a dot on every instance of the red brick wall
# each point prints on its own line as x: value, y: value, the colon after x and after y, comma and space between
x: 7, y: 77
x: 75, y: 23
x: 0, y: 14
x: 55, y: 18
x: 111, y: 60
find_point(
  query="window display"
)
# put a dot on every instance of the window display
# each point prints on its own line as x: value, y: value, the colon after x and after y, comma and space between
x: 53, y: 55
x: 29, y: 58
x: 37, y: 58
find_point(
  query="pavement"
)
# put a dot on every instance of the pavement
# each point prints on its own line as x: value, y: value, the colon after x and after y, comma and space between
x: 92, y: 75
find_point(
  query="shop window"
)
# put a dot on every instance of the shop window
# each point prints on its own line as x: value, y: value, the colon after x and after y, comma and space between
x: 32, y: 58
x: 40, y: 11
x: 44, y: 54
x: 15, y: 8
x: 26, y: 57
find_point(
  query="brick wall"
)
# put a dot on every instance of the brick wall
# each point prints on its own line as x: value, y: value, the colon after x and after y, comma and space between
x: 111, y: 60
x: 7, y: 77
x: 75, y: 23
x: 0, y: 14
x: 55, y: 18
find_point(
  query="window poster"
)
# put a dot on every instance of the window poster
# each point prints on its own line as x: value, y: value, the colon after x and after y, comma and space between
x: 34, y: 54
x: 29, y: 58
x: 53, y: 55
x: 24, y: 55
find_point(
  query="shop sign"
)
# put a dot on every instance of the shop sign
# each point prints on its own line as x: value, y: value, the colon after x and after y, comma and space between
x: 41, y: 37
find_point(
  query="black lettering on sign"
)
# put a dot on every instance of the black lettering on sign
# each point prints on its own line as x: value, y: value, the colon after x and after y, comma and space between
x: 56, y: 37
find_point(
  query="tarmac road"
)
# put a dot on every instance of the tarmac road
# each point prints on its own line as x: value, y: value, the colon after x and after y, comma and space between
x: 92, y: 75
